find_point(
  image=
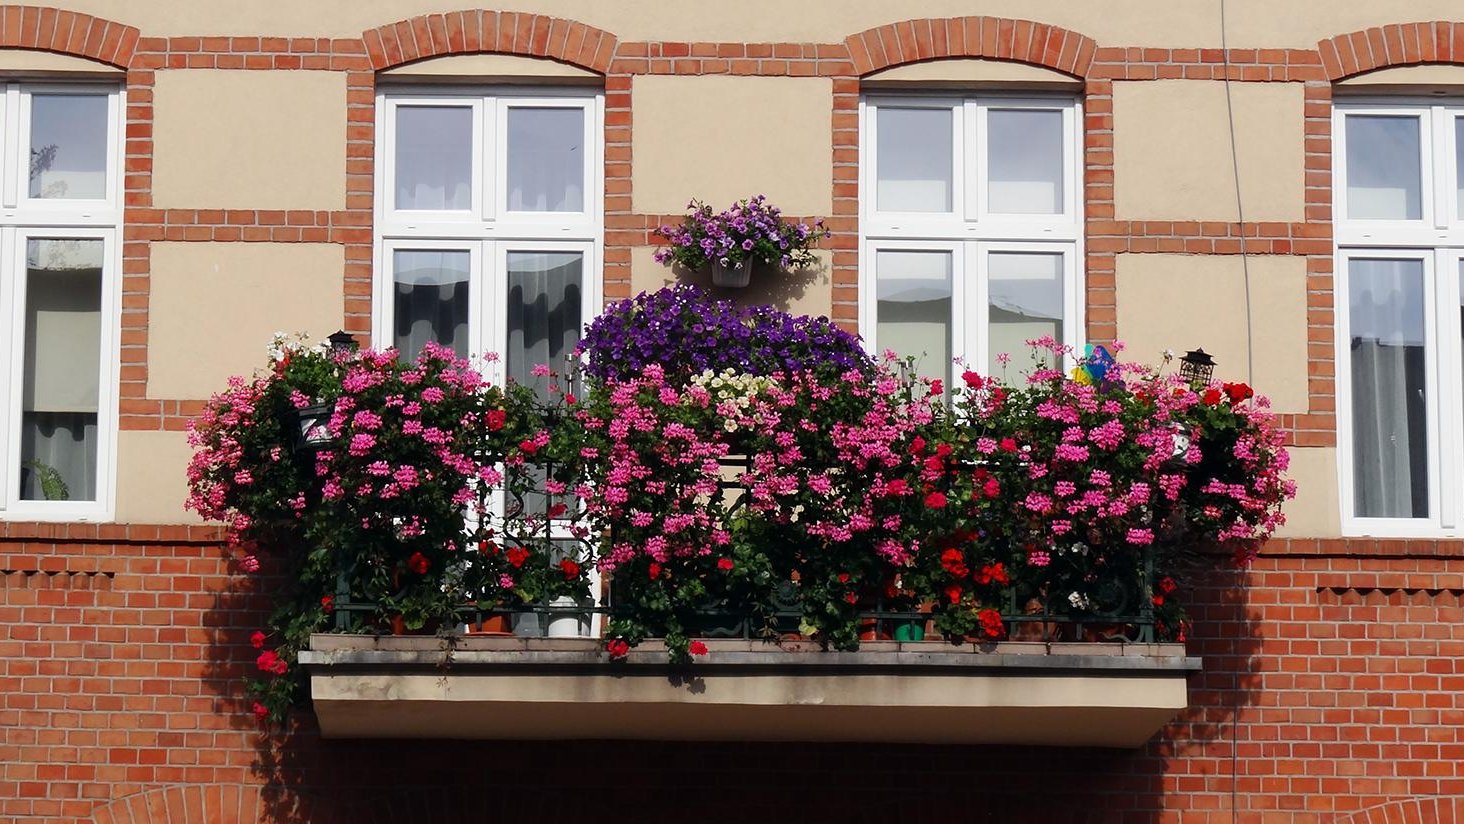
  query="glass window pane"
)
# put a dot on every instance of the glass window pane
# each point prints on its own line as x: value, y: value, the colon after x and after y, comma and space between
x: 68, y: 146
x: 1024, y: 161
x: 431, y: 301
x: 1389, y: 388
x: 1026, y: 295
x: 546, y: 159
x: 545, y: 291
x: 1459, y: 163
x: 914, y: 159
x: 1383, y: 168
x: 434, y: 157
x: 61, y: 370
x: 913, y: 308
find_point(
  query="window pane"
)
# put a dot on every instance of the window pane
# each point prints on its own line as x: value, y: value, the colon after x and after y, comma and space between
x: 544, y: 299
x: 1024, y: 160
x: 68, y: 146
x: 1383, y: 168
x: 431, y: 299
x: 1389, y: 388
x: 434, y: 157
x: 61, y: 367
x: 546, y: 160
x: 1026, y: 296
x: 914, y: 159
x: 1459, y: 162
x: 913, y: 308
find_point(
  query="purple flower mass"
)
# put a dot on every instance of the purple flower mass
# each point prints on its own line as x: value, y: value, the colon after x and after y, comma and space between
x: 749, y: 230
x: 687, y: 332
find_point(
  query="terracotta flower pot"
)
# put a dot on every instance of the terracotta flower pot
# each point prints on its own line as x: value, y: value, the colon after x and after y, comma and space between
x: 493, y: 624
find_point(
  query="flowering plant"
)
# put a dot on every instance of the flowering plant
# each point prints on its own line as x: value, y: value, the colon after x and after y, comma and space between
x: 750, y: 231
x: 686, y: 332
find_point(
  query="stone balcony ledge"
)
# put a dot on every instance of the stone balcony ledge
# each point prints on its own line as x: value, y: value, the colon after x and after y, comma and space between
x: 1060, y: 694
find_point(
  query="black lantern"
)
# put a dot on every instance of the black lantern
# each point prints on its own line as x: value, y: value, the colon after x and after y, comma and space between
x: 342, y: 343
x: 312, y: 429
x: 1197, y: 367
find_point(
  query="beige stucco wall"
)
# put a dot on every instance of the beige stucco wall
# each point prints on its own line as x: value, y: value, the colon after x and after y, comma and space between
x: 721, y: 139
x: 215, y: 306
x: 32, y: 63
x: 1314, y: 512
x: 1196, y: 23
x: 965, y: 71
x: 249, y: 139
x: 151, y: 480
x: 1401, y: 78
x: 488, y: 66
x: 805, y: 292
x: 1172, y: 156
x: 1182, y: 302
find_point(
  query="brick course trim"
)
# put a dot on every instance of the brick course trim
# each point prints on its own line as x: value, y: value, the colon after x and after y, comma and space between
x: 1396, y: 44
x: 501, y: 32
x: 1433, y: 810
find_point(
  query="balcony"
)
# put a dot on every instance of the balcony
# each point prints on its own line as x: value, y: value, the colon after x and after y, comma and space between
x: 1035, y: 693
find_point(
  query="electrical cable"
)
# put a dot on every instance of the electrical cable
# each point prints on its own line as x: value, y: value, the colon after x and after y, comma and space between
x: 1250, y: 356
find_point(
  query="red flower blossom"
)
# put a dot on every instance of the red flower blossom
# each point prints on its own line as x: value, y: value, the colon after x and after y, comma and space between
x: 973, y: 380
x: 696, y: 648
x: 270, y: 661
x: 1158, y: 600
x: 917, y: 446
x: 257, y: 640
x: 528, y: 447
x: 261, y: 712
x: 992, y: 488
x: 1237, y: 392
x: 1211, y: 396
x: 937, y: 387
x: 993, y: 573
x: 843, y: 577
x: 935, y: 500
x: 991, y: 623
x: 418, y: 563
x: 851, y: 598
x: 517, y: 555
x: 954, y: 562
x: 953, y: 592
x: 897, y: 487
x: 570, y: 569
x: 654, y: 570
x: 488, y: 547
x: 1167, y: 585
x: 1008, y: 444
x: 327, y: 603
x: 725, y: 564
x: 495, y: 418
x: 617, y: 648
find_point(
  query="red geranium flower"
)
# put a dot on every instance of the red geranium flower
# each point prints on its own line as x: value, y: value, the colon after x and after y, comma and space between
x: 1237, y: 392
x: 973, y: 380
x: 1211, y: 396
x: 991, y: 623
x: 495, y: 418
x: 257, y: 640
x: 993, y: 573
x: 725, y: 564
x: 261, y: 712
x: 418, y: 563
x: 654, y: 570
x: 953, y: 592
x: 992, y: 488
x: 954, y: 562
x: 528, y: 446
x: 935, y: 500
x: 570, y: 569
x: 617, y: 648
x: 696, y: 648
x: 517, y: 555
x: 897, y: 487
x: 1008, y: 444
x: 270, y: 661
x: 327, y: 603
x: 937, y: 387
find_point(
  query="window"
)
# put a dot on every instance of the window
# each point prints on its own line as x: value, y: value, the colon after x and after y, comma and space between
x: 971, y: 227
x: 488, y: 221
x: 60, y: 196
x: 1398, y: 176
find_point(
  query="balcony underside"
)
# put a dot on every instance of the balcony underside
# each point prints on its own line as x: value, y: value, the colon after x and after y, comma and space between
x: 1102, y: 695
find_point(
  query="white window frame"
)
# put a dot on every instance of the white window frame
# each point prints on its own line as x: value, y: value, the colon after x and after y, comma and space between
x: 1437, y: 240
x: 23, y: 218
x: 970, y: 230
x: 489, y: 231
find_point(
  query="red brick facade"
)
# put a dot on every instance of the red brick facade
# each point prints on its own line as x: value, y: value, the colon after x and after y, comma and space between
x: 1332, y: 690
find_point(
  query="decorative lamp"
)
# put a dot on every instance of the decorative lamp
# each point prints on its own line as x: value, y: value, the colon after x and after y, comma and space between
x: 342, y: 343
x: 312, y: 430
x: 1197, y: 367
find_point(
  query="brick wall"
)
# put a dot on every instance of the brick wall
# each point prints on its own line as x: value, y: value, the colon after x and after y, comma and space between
x: 1331, y: 684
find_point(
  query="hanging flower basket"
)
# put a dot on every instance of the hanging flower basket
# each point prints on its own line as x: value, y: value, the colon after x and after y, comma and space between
x: 732, y: 275
x: 749, y: 233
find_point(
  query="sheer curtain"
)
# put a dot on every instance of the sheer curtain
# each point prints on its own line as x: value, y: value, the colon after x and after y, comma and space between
x: 431, y: 300
x: 546, y: 159
x: 1389, y: 388
x: 434, y: 157
x: 544, y: 303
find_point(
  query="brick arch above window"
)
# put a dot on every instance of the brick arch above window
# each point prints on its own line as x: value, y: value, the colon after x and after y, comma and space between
x: 1433, y: 810
x: 42, y: 28
x: 502, y: 32
x: 1396, y: 44
x: 998, y: 38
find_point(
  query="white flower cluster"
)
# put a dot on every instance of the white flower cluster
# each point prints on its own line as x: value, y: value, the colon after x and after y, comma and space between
x: 283, y: 342
x: 1079, y: 601
x: 731, y: 391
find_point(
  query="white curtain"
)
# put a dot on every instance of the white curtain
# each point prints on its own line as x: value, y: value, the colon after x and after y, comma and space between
x: 544, y: 302
x: 546, y: 159
x: 434, y: 157
x: 1389, y: 388
x: 431, y: 302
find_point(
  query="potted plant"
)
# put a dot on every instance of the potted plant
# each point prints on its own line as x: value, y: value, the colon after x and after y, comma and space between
x: 732, y: 242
